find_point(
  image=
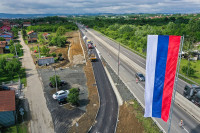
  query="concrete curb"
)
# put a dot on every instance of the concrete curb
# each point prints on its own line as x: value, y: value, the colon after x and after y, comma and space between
x: 119, y: 98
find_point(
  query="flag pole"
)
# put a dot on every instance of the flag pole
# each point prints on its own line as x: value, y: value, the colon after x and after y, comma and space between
x: 176, y: 82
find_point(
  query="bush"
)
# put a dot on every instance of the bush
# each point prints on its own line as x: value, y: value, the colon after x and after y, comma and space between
x: 53, y: 80
x: 53, y: 54
x: 73, y: 96
x: 60, y: 54
x: 190, y: 72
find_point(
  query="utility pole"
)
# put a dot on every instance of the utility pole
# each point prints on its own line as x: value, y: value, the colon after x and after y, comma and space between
x: 55, y: 77
x: 39, y: 50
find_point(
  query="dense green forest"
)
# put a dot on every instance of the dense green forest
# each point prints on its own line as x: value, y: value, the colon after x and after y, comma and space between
x: 133, y: 32
x: 69, y: 26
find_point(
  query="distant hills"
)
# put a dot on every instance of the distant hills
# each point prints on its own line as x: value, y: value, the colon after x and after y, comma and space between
x: 10, y: 16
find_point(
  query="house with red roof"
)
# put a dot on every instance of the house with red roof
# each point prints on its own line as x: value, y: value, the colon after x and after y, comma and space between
x: 26, y: 24
x: 5, y: 28
x: 45, y: 35
x: 32, y: 36
x: 7, y: 108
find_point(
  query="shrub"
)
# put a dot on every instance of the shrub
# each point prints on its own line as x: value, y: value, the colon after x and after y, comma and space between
x: 53, y: 80
x: 53, y: 54
x: 73, y: 96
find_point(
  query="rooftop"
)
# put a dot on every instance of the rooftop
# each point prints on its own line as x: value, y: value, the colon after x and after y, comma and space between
x: 7, y: 100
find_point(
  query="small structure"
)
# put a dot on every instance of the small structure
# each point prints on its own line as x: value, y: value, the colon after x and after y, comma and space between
x: 5, y: 28
x: 32, y: 36
x: 14, y: 25
x: 45, y: 35
x: 26, y: 24
x: 2, y: 46
x: 7, y: 35
x: 46, y: 61
x: 6, y: 23
x: 7, y: 108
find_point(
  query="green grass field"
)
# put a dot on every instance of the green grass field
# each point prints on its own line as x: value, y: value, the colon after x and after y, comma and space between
x: 6, y: 55
x: 195, y: 65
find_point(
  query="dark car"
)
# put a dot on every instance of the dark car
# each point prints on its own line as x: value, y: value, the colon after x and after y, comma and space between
x: 62, y: 101
x: 62, y: 83
x: 140, y: 76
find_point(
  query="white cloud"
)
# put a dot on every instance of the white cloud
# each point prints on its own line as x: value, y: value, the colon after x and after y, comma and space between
x: 99, y: 6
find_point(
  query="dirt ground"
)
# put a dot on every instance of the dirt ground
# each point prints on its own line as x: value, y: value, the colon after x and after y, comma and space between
x: 128, y: 123
x: 88, y: 119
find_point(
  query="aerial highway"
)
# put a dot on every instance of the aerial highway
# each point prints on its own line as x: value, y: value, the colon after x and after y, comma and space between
x: 127, y: 75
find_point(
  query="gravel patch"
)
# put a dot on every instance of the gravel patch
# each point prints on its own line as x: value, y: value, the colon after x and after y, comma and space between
x: 63, y: 116
x: 123, y: 90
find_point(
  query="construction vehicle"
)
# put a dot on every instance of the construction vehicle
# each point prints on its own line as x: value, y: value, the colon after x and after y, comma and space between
x: 90, y: 46
x: 192, y: 93
x: 92, y: 57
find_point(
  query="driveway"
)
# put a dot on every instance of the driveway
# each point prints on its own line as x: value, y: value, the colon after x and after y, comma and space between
x: 41, y: 120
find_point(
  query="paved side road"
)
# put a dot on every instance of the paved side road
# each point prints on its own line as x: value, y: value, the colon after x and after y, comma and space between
x: 41, y: 121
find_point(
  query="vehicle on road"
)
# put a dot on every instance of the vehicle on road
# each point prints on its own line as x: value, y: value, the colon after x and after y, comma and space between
x: 90, y: 46
x: 62, y: 83
x: 92, y: 57
x: 140, y: 76
x: 61, y: 94
x: 192, y: 93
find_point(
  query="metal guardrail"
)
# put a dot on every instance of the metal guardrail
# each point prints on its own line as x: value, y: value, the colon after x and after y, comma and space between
x: 189, y: 79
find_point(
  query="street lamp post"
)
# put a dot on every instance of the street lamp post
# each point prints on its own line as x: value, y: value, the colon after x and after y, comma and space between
x: 55, y: 77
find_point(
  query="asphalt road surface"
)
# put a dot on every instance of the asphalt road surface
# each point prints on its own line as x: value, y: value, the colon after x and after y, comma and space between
x: 127, y: 74
x: 108, y: 112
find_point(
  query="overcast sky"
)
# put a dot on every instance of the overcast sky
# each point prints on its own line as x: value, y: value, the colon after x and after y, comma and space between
x: 98, y: 6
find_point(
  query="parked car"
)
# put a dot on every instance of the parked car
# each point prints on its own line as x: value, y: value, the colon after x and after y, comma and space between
x: 140, y: 76
x: 61, y: 94
x: 62, y: 101
x: 62, y: 83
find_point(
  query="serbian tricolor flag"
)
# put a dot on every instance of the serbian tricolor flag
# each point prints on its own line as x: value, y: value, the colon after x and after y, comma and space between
x: 161, y: 62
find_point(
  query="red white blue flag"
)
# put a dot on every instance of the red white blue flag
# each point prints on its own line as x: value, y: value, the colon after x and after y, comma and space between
x: 161, y: 62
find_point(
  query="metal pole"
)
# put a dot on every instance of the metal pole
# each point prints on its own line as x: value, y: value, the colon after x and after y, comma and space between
x: 55, y: 78
x: 15, y: 50
x: 176, y: 82
x: 39, y: 50
x: 118, y: 64
x: 188, y: 59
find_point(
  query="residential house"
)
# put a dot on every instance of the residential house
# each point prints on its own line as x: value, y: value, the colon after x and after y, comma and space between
x: 32, y: 36
x: 26, y: 24
x: 14, y: 25
x: 6, y: 23
x: 2, y: 46
x: 45, y: 35
x: 7, y: 108
x: 7, y: 35
x: 5, y: 28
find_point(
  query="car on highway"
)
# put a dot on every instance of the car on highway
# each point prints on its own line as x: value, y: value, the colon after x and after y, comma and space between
x: 61, y: 94
x: 62, y: 83
x: 140, y: 76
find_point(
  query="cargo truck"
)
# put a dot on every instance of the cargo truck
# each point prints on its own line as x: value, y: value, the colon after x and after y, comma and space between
x: 92, y: 57
x: 192, y: 93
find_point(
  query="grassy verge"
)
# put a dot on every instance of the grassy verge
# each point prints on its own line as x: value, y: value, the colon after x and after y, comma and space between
x: 20, y: 128
x: 148, y: 124
x: 196, y: 66
x: 6, y: 78
x: 6, y: 55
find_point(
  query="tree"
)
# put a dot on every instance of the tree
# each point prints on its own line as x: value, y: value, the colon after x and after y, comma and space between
x: 190, y: 71
x: 53, y: 80
x: 73, y: 96
x: 60, y: 31
x: 2, y: 39
x: 53, y: 54
x: 18, y: 49
x: 11, y: 42
x: 2, y: 65
x: 60, y: 54
x: 45, y: 50
x: 13, y: 67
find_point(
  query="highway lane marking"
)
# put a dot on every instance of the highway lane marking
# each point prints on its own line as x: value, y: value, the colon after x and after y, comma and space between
x: 185, y: 129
